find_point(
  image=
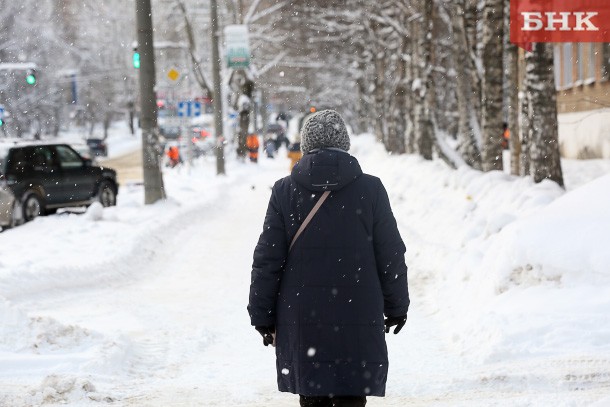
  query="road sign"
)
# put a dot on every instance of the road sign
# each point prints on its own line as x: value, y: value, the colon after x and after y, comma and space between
x: 1, y: 112
x: 189, y: 108
x: 173, y: 74
x: 238, y: 47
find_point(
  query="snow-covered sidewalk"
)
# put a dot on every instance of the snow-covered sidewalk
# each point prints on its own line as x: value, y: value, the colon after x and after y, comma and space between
x: 147, y: 305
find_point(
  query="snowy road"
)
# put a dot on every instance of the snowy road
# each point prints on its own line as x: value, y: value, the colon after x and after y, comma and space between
x: 177, y: 331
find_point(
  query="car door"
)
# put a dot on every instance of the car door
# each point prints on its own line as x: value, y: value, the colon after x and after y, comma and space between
x: 78, y: 179
x: 33, y: 168
x: 45, y: 172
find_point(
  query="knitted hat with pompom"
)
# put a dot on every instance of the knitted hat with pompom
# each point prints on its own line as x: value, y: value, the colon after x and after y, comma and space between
x: 324, y: 129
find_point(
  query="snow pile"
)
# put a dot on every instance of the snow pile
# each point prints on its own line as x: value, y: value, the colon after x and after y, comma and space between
x: 38, y: 335
x: 543, y: 283
x: 60, y: 389
x: 514, y: 269
x: 585, y: 134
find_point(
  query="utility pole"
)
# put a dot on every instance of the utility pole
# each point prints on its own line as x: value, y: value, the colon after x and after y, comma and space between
x: 220, y: 157
x: 153, y: 180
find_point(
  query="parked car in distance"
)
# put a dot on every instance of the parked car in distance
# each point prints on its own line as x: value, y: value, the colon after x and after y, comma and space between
x: 7, y: 198
x: 46, y: 177
x: 97, y: 147
x: 84, y: 151
x: 7, y: 205
x: 170, y: 132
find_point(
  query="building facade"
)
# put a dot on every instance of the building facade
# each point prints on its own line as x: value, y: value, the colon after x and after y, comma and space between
x: 582, y: 78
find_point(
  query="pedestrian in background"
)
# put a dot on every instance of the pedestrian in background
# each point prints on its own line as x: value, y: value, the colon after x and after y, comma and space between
x: 505, y: 136
x: 174, y: 156
x: 270, y: 147
x: 252, y: 145
x: 320, y: 298
x: 294, y: 152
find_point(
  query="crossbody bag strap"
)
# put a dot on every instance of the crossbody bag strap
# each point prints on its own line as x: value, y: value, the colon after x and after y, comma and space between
x: 309, y: 217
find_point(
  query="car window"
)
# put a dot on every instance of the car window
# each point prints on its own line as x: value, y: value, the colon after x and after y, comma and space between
x: 68, y: 158
x: 41, y: 157
x: 17, y: 160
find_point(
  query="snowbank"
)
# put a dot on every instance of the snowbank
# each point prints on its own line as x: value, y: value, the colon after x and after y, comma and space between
x: 585, y: 134
x: 513, y: 268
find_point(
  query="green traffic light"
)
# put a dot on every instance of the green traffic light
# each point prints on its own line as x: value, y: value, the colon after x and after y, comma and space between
x: 1, y: 122
x: 30, y: 79
x: 136, y: 60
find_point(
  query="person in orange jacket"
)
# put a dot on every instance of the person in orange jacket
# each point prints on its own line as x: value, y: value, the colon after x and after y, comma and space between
x: 294, y: 152
x: 505, y: 136
x: 253, y: 145
x: 174, y: 156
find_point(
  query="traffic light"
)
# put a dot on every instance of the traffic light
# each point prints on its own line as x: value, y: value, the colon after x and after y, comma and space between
x: 30, y: 77
x: 1, y: 122
x: 136, y: 58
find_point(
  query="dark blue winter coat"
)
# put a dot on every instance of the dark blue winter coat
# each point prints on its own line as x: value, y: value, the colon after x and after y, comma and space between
x: 327, y: 297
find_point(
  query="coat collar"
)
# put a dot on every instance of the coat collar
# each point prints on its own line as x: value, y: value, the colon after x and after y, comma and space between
x: 326, y: 169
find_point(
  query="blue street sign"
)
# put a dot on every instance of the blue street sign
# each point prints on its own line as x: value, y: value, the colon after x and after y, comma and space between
x: 1, y: 112
x: 196, y: 109
x: 183, y: 109
x: 189, y: 109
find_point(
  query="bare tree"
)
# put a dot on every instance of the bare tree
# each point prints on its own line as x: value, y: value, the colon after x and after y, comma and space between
x: 423, y: 82
x: 540, y: 90
x: 493, y: 34
x: 468, y: 120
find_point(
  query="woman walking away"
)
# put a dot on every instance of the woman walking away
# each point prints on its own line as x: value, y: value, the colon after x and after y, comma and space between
x: 327, y: 267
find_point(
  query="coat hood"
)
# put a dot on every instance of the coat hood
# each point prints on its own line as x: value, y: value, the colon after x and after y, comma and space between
x: 326, y: 169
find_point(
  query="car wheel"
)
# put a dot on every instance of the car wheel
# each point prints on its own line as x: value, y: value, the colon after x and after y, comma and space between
x: 32, y: 207
x: 107, y: 195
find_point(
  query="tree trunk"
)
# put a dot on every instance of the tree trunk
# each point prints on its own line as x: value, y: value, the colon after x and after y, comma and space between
x: 380, y: 111
x: 544, y: 149
x: 467, y: 120
x: 411, y: 70
x: 423, y: 122
x: 513, y: 107
x: 493, y: 34
x: 473, y: 27
x: 395, y: 142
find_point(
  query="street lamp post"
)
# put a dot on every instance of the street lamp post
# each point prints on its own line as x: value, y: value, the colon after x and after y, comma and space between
x: 220, y: 159
x: 153, y: 180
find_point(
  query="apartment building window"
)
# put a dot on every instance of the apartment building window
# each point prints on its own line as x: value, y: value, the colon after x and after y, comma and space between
x: 605, y: 61
x: 591, y: 59
x: 566, y: 62
x: 580, y: 63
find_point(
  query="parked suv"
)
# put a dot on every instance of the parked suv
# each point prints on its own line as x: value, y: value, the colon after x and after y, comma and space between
x: 46, y: 177
x: 97, y: 147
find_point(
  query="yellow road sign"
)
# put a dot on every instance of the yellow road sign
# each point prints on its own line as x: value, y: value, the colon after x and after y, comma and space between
x: 173, y: 74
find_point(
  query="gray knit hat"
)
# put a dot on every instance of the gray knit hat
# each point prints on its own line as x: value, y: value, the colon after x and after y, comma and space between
x: 325, y: 128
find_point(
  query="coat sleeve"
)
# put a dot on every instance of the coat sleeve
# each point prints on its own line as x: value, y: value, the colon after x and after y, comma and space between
x: 269, y: 258
x: 390, y: 257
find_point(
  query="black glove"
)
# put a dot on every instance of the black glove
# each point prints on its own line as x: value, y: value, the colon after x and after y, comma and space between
x: 266, y: 332
x: 392, y: 321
